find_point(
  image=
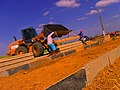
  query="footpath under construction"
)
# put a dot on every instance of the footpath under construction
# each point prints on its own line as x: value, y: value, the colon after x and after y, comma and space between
x: 73, y: 68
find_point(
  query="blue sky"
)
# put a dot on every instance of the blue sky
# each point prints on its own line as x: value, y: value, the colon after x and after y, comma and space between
x: 74, y: 14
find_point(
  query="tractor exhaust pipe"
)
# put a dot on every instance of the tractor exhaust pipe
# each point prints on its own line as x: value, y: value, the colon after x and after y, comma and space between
x: 14, y: 38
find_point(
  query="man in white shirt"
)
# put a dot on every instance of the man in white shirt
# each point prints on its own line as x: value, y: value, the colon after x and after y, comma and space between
x: 51, y: 46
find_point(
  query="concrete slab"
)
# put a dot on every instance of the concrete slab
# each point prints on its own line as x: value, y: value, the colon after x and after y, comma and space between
x: 73, y: 82
x: 4, y: 73
x: 69, y: 52
x: 37, y: 62
x: 91, y: 45
x: 114, y: 54
x: 57, y: 56
x: 95, y: 66
x: 16, y: 57
x: 14, y: 70
x: 34, y: 64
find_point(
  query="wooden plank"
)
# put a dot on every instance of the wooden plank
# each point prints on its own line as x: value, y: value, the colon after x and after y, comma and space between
x: 66, y: 50
x: 22, y: 63
x: 3, y: 64
x: 69, y: 44
x: 16, y: 57
x: 14, y: 65
x: 72, y: 46
x: 67, y: 39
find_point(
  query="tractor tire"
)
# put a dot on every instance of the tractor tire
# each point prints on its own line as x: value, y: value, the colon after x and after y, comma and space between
x: 37, y: 49
x: 21, y: 50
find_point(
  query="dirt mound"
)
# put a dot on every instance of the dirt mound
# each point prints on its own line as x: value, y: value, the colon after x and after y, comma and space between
x: 107, y: 79
x: 54, y: 70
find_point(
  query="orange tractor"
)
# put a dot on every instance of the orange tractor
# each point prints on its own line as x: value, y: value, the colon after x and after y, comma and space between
x: 33, y: 42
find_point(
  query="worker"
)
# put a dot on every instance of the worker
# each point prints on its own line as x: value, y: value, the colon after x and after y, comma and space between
x: 82, y: 38
x: 51, y: 46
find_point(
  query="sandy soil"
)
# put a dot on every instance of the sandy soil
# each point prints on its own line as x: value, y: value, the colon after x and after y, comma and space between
x: 107, y: 79
x: 54, y: 70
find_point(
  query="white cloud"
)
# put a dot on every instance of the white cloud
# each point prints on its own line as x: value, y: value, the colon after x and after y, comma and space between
x: 103, y: 3
x: 38, y: 29
x: 94, y: 12
x: 80, y: 19
x: 51, y: 22
x: 67, y: 3
x: 116, y: 16
x: 40, y: 25
x: 46, y: 13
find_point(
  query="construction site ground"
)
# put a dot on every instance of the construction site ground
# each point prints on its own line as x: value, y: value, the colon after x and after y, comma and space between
x: 54, y: 70
x: 107, y: 79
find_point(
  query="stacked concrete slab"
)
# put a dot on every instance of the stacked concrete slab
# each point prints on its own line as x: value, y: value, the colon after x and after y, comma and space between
x: 10, y: 66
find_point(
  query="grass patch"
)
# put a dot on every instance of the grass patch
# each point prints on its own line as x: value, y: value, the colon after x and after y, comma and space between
x: 5, y: 57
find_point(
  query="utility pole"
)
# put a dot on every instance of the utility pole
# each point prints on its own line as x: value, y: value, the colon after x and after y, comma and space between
x: 100, y: 17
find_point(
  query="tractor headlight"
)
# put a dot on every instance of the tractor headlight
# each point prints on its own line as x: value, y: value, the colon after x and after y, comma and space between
x: 14, y: 47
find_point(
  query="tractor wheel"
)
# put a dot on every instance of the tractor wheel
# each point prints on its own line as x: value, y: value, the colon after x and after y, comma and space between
x: 37, y: 49
x: 21, y: 50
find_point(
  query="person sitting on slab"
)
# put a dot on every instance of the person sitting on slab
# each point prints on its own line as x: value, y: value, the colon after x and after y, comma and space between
x: 82, y: 38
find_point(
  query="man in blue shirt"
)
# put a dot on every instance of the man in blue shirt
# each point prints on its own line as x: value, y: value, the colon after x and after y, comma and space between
x: 82, y: 38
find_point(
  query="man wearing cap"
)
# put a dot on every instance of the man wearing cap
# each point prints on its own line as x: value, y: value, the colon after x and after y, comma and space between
x: 82, y: 37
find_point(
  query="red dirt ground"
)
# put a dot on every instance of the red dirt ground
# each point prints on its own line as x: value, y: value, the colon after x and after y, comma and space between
x: 54, y: 70
x: 107, y: 79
